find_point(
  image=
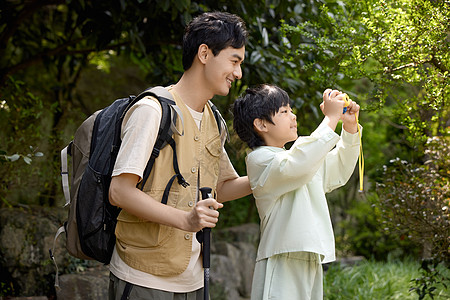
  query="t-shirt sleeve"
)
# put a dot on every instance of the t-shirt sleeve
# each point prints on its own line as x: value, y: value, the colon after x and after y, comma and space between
x: 226, y: 169
x: 139, y: 131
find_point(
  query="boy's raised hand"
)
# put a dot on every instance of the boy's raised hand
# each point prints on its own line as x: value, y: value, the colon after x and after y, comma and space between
x: 333, y: 103
x: 349, y: 120
x: 332, y: 107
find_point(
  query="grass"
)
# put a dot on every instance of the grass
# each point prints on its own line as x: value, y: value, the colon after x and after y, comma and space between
x: 371, y: 280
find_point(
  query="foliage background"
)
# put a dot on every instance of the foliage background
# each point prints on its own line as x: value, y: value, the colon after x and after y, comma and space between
x: 61, y: 60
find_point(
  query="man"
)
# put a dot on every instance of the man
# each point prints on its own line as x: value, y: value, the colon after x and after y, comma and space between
x: 156, y: 254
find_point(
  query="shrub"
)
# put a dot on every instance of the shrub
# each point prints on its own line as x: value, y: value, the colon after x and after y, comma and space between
x: 414, y: 199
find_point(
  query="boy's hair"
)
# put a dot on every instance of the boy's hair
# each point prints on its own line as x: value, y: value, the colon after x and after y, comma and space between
x: 218, y: 30
x: 259, y: 102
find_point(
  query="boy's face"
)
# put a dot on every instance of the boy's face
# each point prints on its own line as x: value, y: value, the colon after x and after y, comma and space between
x: 222, y: 70
x: 283, y: 130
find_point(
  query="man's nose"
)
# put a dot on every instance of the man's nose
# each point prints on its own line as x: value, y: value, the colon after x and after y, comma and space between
x: 237, y: 72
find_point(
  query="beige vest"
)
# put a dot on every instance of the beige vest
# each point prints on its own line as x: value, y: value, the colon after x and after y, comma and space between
x: 158, y: 249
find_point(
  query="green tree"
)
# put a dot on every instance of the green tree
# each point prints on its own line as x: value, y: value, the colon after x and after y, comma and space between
x: 393, y: 58
x: 48, y: 44
x: 52, y: 45
x: 395, y: 52
x: 390, y: 56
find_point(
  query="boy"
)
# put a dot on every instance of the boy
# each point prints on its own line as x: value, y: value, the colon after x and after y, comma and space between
x: 289, y: 187
x: 157, y: 255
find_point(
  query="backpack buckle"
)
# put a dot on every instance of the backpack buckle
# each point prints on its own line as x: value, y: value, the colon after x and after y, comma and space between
x: 155, y: 152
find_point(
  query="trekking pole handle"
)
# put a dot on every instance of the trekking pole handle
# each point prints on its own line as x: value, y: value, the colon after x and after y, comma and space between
x: 206, y: 193
x: 206, y: 241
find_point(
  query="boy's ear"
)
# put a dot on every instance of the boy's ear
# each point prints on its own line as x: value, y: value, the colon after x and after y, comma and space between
x: 260, y: 125
x: 203, y: 52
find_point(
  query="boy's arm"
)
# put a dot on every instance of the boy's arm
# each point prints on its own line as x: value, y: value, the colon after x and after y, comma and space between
x: 340, y: 163
x: 274, y: 172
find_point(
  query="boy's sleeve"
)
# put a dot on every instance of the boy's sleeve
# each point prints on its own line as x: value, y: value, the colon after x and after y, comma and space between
x: 340, y: 162
x: 274, y: 171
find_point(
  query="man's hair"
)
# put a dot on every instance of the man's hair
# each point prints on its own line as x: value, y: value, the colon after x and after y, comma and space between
x: 259, y: 102
x: 218, y: 30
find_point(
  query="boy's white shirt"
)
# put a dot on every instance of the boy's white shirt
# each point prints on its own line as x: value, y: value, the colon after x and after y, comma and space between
x: 289, y: 187
x: 147, y: 114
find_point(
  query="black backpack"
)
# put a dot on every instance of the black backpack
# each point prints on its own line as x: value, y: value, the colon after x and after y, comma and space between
x: 90, y: 228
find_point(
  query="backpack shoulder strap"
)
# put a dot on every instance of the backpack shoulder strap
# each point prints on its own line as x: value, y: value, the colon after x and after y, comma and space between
x: 169, y: 115
x: 164, y: 96
x: 221, y: 124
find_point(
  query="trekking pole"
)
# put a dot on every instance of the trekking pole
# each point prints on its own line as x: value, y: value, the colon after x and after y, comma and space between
x: 206, y: 193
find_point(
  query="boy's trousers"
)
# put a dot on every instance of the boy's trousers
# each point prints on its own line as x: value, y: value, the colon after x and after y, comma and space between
x: 296, y: 275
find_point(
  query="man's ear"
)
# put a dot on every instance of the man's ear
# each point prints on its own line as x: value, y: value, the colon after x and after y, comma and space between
x: 203, y: 52
x: 260, y: 125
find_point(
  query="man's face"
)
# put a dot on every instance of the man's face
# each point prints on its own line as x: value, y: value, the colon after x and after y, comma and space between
x: 222, y: 70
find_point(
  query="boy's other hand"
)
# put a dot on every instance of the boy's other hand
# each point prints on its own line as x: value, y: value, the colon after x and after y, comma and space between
x: 333, y: 104
x: 349, y: 121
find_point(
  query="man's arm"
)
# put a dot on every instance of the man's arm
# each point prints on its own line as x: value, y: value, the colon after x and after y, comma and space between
x: 123, y: 193
x: 233, y: 189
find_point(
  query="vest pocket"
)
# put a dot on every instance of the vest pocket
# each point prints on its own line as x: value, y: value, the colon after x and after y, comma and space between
x: 214, y: 147
x: 142, y: 234
x: 136, y: 232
